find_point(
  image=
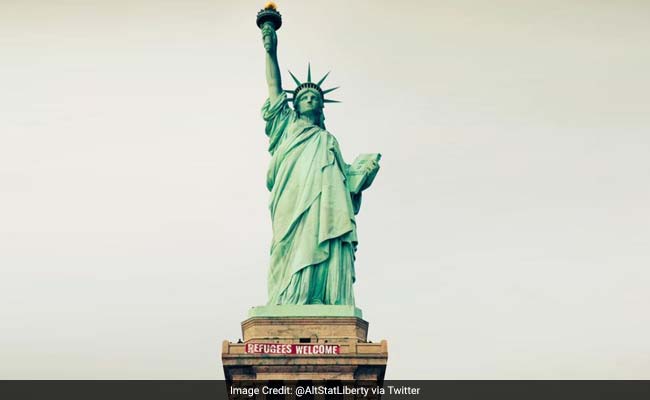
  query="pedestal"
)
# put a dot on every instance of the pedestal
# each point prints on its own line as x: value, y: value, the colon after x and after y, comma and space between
x: 310, y: 342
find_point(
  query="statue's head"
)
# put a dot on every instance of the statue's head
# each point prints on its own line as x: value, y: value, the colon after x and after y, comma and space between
x: 308, y: 101
x: 309, y: 98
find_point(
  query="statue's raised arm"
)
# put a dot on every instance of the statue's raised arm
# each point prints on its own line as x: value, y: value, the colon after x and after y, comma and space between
x: 273, y: 78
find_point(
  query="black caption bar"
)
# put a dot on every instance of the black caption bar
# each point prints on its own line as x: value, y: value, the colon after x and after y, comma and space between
x: 388, y: 390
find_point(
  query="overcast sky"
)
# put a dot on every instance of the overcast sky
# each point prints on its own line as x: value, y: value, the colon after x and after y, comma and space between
x: 506, y: 236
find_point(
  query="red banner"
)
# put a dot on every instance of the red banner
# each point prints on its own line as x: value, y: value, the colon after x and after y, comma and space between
x: 291, y: 348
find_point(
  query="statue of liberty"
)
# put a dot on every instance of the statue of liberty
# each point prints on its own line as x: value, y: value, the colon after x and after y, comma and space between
x: 315, y: 195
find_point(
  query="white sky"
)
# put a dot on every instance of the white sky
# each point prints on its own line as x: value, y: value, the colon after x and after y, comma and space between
x: 506, y: 236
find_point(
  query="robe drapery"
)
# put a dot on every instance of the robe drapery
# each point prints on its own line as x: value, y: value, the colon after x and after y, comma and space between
x: 312, y: 211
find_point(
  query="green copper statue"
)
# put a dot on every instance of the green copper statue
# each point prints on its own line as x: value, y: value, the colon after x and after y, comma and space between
x: 315, y: 195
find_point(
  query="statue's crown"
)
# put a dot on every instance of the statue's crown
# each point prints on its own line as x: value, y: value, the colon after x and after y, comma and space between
x: 311, y: 85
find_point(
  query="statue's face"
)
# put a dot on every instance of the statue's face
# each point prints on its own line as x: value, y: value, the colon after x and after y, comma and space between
x: 309, y: 101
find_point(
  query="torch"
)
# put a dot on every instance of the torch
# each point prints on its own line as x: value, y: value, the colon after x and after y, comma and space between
x: 270, y: 16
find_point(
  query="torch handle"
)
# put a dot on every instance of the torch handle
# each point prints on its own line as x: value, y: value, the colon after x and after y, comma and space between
x: 267, y: 38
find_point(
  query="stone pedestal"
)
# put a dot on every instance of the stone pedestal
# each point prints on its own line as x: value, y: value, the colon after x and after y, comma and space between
x: 334, y: 327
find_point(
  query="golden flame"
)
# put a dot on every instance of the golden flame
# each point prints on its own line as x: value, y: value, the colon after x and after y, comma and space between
x: 271, y: 5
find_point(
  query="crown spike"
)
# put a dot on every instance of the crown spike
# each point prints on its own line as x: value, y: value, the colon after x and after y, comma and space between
x: 288, y: 91
x: 308, y: 72
x: 330, y: 90
x: 330, y: 101
x: 323, y: 79
x: 298, y: 83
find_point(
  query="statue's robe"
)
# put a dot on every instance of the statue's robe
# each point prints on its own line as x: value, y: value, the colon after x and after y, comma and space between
x: 312, y: 211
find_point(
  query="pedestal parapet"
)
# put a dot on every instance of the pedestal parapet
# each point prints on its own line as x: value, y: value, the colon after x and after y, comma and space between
x: 312, y: 342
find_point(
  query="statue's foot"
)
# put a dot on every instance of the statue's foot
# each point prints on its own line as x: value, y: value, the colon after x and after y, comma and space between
x: 315, y: 301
